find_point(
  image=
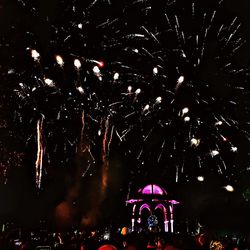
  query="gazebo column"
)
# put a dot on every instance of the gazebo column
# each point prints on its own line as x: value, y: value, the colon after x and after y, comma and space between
x: 133, y: 219
x: 165, y: 220
x: 133, y: 225
x: 171, y: 208
x: 150, y: 198
x: 166, y: 226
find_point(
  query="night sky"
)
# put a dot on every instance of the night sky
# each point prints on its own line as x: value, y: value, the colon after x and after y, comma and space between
x: 102, y: 97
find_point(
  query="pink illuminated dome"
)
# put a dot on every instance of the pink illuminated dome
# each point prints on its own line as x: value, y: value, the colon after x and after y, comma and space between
x: 152, y: 189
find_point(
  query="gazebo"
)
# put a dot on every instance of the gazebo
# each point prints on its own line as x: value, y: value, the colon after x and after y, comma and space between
x: 153, y: 199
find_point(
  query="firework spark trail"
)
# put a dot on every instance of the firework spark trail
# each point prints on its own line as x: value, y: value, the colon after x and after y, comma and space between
x: 161, y: 151
x: 92, y: 4
x: 118, y: 135
x: 125, y: 132
x: 150, y: 34
x: 140, y: 154
x: 148, y: 134
x: 105, y: 160
x: 40, y: 152
x: 93, y: 214
x: 177, y: 174
x: 84, y: 145
x: 110, y: 139
x: 129, y: 191
x: 168, y: 21
x: 212, y: 19
x: 87, y: 169
x: 82, y: 132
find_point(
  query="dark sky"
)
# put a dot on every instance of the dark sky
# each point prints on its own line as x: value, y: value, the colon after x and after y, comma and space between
x: 20, y: 200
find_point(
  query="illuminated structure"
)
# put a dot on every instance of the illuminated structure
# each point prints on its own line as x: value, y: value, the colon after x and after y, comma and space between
x: 153, y: 199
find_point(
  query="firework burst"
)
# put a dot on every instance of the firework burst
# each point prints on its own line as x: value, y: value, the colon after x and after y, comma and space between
x: 185, y: 107
x: 166, y: 83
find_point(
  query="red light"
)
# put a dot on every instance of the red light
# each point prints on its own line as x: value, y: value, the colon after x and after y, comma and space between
x: 101, y: 64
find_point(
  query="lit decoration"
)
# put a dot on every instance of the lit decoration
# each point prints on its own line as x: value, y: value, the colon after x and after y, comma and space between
x: 152, y: 221
x: 116, y: 76
x: 138, y: 91
x: 185, y: 111
x: 158, y: 99
x: 124, y: 231
x: 59, y: 60
x: 179, y: 82
x: 151, y: 198
x: 96, y: 70
x: 219, y: 123
x: 77, y: 63
x: 49, y: 82
x: 152, y: 189
x: 186, y: 118
x: 146, y: 108
x: 234, y: 149
x: 100, y: 63
x: 216, y: 245
x: 35, y: 54
x: 195, y: 142
x: 200, y: 178
x: 155, y: 70
x: 80, y: 89
x: 214, y: 153
x: 229, y: 188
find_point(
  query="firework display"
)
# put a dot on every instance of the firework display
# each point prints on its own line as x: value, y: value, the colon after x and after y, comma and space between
x: 160, y: 81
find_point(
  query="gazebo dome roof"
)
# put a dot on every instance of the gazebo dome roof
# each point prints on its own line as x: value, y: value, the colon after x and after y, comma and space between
x: 152, y: 189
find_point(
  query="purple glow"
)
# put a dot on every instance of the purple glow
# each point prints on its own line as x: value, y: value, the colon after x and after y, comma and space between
x: 157, y: 199
x: 131, y: 201
x: 145, y: 206
x: 152, y: 189
x: 134, y: 207
x: 162, y: 207
x: 174, y: 202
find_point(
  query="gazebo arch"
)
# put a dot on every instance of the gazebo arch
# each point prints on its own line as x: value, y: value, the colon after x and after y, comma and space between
x: 152, y: 197
x: 144, y: 206
x: 164, y: 211
x: 141, y: 216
